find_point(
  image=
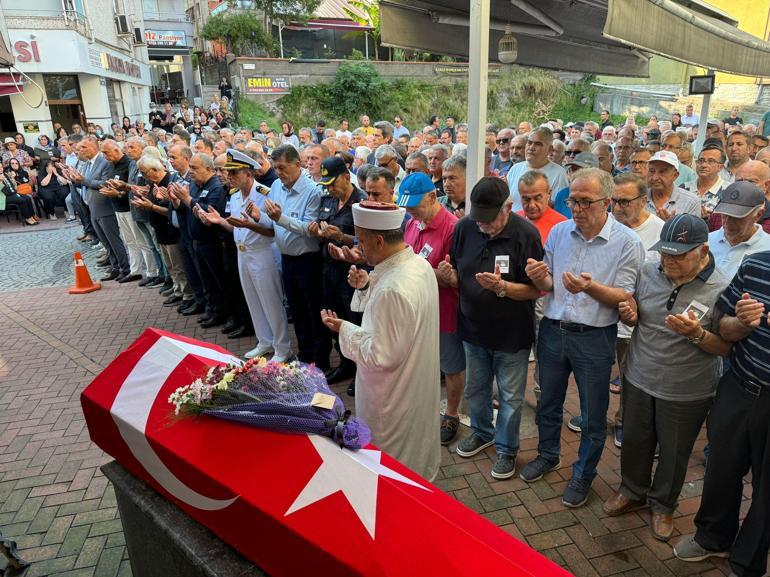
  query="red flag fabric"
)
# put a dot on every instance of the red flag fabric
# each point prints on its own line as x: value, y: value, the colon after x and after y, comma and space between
x: 293, y: 504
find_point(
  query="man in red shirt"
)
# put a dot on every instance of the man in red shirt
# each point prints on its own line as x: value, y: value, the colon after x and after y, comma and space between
x: 429, y: 233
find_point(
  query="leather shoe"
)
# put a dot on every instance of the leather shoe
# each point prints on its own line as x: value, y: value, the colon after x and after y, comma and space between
x: 230, y: 326
x: 619, y: 504
x: 130, y: 278
x: 172, y: 300
x: 111, y: 276
x: 236, y: 333
x: 352, y: 389
x: 339, y: 374
x: 213, y: 322
x: 157, y: 281
x: 145, y: 281
x: 102, y: 261
x: 204, y: 317
x: 185, y: 304
x: 194, y: 309
x: 662, y: 526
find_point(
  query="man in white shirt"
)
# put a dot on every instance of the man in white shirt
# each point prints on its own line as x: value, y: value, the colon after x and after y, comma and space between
x: 690, y: 118
x: 709, y: 183
x: 539, y: 143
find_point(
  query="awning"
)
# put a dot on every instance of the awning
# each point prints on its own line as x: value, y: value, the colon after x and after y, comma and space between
x: 167, y: 51
x: 701, y: 38
x: 328, y: 24
x: 11, y: 83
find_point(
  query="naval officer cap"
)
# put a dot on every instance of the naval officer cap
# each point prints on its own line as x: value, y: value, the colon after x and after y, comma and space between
x: 235, y: 160
x: 373, y: 215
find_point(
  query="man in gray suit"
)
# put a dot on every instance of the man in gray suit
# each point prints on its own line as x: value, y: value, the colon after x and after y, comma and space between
x: 96, y: 170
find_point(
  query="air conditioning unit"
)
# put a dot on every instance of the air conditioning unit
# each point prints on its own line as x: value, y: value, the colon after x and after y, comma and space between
x: 122, y: 25
x: 138, y: 37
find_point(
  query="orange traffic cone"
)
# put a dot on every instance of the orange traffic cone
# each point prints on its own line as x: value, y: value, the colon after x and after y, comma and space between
x: 83, y: 282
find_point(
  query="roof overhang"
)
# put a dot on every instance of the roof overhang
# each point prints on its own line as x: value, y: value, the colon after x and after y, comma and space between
x: 10, y: 82
x: 329, y: 24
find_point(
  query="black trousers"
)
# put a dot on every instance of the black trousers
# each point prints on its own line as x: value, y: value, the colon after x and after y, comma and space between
x: 23, y: 202
x: 239, y: 310
x: 107, y: 231
x: 53, y: 196
x: 647, y: 422
x: 739, y: 432
x: 84, y: 213
x: 337, y: 294
x: 302, y: 282
x: 192, y: 269
x: 212, y: 271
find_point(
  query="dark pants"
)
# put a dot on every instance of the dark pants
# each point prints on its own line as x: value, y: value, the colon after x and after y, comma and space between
x: 53, y: 196
x: 212, y: 273
x: 23, y: 202
x: 337, y: 294
x: 739, y: 431
x: 239, y: 310
x: 302, y: 283
x: 192, y: 269
x: 84, y: 213
x: 621, y: 347
x: 648, y: 421
x: 107, y: 231
x: 589, y: 355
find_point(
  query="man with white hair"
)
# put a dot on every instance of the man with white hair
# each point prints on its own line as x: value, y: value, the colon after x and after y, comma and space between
x: 397, y: 383
x: 436, y: 155
x: 608, y: 134
x: 386, y: 157
x: 539, y: 143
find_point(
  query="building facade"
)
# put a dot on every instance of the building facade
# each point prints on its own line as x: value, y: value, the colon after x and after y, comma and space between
x: 168, y: 33
x: 86, y: 61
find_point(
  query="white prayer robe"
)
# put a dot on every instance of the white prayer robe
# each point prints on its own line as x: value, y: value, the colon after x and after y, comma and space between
x: 396, y: 349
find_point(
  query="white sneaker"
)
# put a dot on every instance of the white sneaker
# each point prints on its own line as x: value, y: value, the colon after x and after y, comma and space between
x: 259, y: 351
x: 52, y: 217
x: 280, y: 359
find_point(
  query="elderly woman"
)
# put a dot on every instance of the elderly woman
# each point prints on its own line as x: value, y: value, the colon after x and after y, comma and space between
x: 13, y: 198
x: 12, y: 150
x: 53, y: 188
x: 672, y: 368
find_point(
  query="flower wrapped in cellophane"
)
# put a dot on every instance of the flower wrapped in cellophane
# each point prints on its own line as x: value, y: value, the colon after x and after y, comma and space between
x: 289, y: 397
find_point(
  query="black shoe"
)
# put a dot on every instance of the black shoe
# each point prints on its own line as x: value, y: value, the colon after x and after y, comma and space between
x: 230, y: 326
x: 111, y: 276
x: 172, y: 300
x: 340, y: 374
x: 194, y: 309
x: 214, y: 321
x: 156, y: 282
x: 145, y: 281
x: 166, y: 286
x: 94, y: 242
x: 236, y: 333
x: 204, y: 317
x: 185, y: 304
x: 102, y: 262
x: 130, y: 278
x: 167, y: 292
x: 352, y: 389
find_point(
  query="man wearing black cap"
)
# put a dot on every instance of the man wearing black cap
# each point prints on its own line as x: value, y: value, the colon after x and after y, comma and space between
x: 335, y: 226
x: 671, y: 369
x: 487, y: 264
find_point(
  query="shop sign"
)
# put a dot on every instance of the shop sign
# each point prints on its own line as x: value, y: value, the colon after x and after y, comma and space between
x: 460, y: 69
x: 165, y: 38
x: 31, y: 127
x: 121, y: 66
x: 268, y: 85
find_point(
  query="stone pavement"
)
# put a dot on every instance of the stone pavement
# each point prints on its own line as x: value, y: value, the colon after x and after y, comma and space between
x: 59, y: 507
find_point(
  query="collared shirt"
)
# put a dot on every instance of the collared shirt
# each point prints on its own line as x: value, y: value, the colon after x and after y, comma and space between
x: 545, y: 223
x: 661, y: 362
x: 447, y: 204
x: 245, y: 237
x: 399, y: 178
x: 750, y: 357
x: 557, y: 179
x: 400, y: 131
x: 690, y: 120
x: 681, y: 201
x: 710, y: 198
x: 299, y: 207
x: 729, y: 257
x: 686, y: 174
x: 433, y: 241
x: 481, y: 312
x: 331, y: 213
x: 613, y: 257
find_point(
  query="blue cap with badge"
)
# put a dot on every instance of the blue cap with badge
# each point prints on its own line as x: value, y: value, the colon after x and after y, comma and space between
x: 413, y: 188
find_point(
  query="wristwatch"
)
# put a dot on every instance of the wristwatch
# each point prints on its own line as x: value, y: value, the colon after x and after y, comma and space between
x: 501, y: 292
x: 697, y: 340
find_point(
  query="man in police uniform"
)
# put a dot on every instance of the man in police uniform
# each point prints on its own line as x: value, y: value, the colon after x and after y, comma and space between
x: 252, y: 233
x: 335, y: 226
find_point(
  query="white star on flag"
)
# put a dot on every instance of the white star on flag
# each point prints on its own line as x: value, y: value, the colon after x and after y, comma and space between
x: 355, y: 473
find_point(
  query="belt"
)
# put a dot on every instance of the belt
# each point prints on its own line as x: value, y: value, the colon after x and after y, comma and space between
x: 574, y: 327
x: 751, y: 387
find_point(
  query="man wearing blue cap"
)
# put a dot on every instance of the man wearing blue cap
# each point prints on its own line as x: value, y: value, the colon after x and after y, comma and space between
x: 429, y: 233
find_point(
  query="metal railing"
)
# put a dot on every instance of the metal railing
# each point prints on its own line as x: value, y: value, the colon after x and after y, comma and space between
x: 168, y: 16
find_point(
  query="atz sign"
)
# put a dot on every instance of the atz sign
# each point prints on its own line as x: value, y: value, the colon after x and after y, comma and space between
x: 268, y: 85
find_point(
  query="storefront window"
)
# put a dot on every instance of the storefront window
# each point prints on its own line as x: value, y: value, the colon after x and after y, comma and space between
x: 61, y: 87
x: 115, y: 97
x: 63, y: 93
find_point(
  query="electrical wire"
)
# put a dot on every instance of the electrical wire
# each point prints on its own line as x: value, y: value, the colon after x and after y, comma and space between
x: 20, y: 87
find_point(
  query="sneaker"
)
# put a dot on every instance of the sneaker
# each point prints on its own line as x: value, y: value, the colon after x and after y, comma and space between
x: 449, y: 427
x: 51, y: 217
x: 575, y: 423
x: 505, y: 466
x: 688, y: 549
x: 576, y: 493
x: 618, y: 435
x: 535, y: 469
x: 279, y: 359
x: 259, y: 351
x: 472, y: 445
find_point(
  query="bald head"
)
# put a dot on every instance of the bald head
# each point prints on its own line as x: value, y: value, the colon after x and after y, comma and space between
x: 756, y: 172
x: 111, y: 151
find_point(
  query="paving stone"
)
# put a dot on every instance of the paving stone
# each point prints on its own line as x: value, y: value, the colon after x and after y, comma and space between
x: 91, y: 551
x: 556, y: 520
x: 109, y: 562
x: 51, y: 566
x: 58, y: 530
x: 617, y: 562
x: 74, y: 540
x: 43, y: 520
x: 496, y: 502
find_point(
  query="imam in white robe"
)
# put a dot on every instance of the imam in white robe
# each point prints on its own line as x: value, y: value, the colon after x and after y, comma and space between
x: 396, y: 350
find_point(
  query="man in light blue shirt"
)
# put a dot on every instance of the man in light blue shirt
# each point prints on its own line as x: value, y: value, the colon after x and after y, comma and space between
x: 293, y: 203
x: 539, y: 143
x: 591, y: 264
x: 741, y: 205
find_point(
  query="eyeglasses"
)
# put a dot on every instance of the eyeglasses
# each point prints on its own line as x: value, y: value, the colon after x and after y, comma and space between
x: 583, y: 203
x: 503, y: 140
x: 571, y: 152
x: 709, y: 161
x: 624, y: 202
x: 639, y: 162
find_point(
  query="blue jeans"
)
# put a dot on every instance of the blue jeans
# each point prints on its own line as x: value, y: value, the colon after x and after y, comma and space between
x: 510, y: 372
x: 589, y: 356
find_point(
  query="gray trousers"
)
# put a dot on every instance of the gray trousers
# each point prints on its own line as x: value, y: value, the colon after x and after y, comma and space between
x: 648, y: 421
x: 107, y: 230
x: 172, y: 259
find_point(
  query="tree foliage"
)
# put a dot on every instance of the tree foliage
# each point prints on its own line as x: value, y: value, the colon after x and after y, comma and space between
x: 241, y: 32
x: 286, y: 11
x: 371, y: 11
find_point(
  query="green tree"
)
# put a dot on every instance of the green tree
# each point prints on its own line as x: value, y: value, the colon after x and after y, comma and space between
x: 286, y: 11
x: 371, y: 17
x: 241, y: 32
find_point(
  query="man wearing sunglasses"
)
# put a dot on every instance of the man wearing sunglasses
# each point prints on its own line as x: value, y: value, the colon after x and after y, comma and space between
x: 502, y: 161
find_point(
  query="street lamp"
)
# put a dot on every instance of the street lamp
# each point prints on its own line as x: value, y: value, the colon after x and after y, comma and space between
x: 508, y: 47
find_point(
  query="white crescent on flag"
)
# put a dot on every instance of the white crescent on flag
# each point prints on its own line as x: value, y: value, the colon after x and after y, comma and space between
x: 135, y: 399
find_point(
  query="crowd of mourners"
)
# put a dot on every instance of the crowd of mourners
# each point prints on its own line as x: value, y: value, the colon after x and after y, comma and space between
x: 585, y: 243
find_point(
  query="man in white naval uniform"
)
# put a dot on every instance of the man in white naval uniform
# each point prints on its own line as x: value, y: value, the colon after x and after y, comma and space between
x: 396, y: 348
x: 260, y: 279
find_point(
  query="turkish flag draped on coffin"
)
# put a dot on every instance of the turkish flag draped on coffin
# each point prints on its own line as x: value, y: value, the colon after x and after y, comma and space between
x: 291, y: 503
